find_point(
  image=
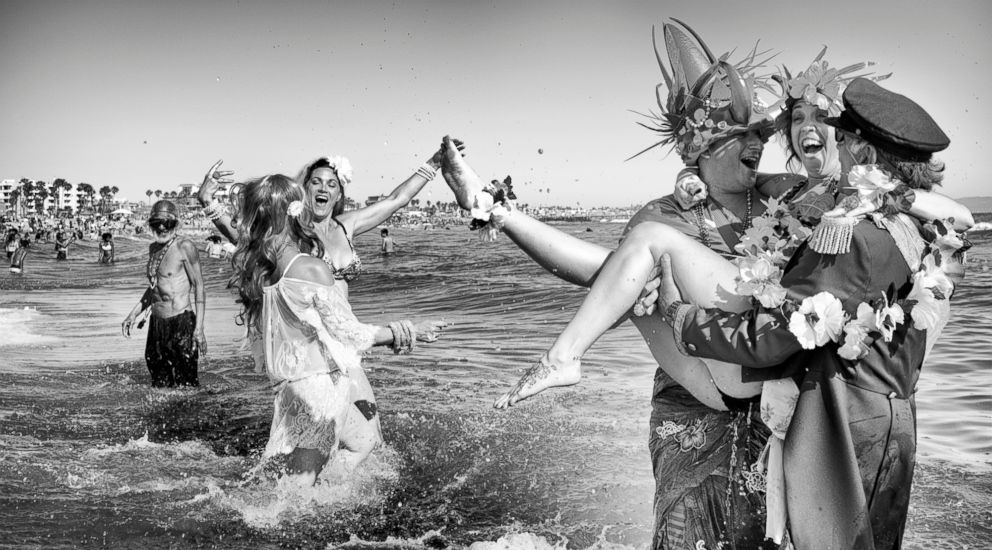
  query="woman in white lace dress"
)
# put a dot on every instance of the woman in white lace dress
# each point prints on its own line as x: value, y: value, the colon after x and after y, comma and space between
x: 311, y: 339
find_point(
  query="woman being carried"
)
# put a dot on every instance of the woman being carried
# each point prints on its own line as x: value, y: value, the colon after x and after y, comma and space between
x: 706, y: 278
x: 312, y: 341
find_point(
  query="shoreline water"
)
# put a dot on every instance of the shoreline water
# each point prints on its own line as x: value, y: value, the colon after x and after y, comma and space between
x: 93, y: 457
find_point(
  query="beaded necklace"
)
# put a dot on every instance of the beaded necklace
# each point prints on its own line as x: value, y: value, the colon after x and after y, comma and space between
x: 155, y: 261
x: 701, y: 223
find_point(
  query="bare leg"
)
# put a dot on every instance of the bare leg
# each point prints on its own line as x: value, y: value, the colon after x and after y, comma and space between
x: 304, y: 465
x: 705, y: 278
x: 360, y: 432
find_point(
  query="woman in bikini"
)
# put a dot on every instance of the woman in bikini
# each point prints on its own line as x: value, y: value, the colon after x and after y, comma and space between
x: 296, y: 303
x: 106, y: 249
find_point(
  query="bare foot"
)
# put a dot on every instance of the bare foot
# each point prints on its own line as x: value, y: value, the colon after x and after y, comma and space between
x: 540, y: 377
x: 461, y: 178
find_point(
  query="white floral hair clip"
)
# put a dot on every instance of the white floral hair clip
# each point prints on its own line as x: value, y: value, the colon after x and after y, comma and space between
x: 295, y: 208
x: 342, y: 167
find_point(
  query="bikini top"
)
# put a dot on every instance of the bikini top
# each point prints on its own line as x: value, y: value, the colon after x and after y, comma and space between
x: 351, y: 271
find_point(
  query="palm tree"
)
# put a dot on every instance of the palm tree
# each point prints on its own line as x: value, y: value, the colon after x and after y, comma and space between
x: 40, y: 196
x: 149, y: 192
x: 88, y: 192
x: 57, y: 186
x: 104, y: 195
x: 27, y: 192
x: 158, y: 193
x: 15, y: 200
x: 113, y: 194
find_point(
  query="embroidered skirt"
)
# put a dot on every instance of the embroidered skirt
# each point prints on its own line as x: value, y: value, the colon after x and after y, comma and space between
x: 309, y: 414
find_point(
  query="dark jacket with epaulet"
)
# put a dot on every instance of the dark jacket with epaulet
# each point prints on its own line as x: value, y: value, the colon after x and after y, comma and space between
x: 851, y: 447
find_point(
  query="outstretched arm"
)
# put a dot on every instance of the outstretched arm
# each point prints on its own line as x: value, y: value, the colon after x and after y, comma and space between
x: 369, y: 217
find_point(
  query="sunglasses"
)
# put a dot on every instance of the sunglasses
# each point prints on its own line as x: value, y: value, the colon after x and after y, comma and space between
x: 163, y: 225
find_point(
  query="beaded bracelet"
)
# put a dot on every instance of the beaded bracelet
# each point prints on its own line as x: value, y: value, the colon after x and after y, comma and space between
x: 213, y: 211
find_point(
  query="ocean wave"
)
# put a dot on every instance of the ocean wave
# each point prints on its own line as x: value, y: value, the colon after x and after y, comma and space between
x: 22, y: 327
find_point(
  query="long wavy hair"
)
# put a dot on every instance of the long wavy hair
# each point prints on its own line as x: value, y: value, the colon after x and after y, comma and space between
x: 304, y: 178
x: 261, y: 207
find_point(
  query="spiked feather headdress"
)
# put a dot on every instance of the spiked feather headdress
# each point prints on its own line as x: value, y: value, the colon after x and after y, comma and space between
x: 820, y: 84
x: 707, y: 96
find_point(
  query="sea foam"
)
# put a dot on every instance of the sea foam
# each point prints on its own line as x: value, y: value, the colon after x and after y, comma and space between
x: 23, y: 327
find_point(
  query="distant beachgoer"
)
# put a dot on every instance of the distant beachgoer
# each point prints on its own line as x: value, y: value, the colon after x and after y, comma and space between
x: 388, y: 244
x: 106, y: 249
x: 62, y: 243
x: 175, y: 333
x: 11, y: 242
x: 17, y: 259
x: 215, y: 249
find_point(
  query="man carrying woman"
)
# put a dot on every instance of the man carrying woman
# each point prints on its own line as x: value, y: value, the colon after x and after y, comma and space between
x: 861, y: 296
x: 699, y: 129
x: 702, y: 440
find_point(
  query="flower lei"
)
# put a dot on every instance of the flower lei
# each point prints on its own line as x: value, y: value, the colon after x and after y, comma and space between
x: 769, y: 244
x: 486, y: 205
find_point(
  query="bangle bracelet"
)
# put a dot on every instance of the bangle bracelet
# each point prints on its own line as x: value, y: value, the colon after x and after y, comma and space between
x: 426, y: 171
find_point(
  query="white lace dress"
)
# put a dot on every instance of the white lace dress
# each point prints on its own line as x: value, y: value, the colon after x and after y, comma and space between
x: 312, y: 345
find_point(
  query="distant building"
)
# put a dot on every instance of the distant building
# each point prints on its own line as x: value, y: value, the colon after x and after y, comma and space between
x: 66, y: 199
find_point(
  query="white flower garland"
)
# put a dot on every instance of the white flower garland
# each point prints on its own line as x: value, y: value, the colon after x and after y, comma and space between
x: 769, y: 244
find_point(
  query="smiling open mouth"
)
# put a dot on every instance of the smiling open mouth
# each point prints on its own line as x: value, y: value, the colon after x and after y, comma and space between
x: 751, y: 159
x: 811, y: 145
x: 321, y: 200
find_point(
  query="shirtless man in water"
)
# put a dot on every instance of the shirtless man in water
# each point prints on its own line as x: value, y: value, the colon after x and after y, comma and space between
x: 175, y: 334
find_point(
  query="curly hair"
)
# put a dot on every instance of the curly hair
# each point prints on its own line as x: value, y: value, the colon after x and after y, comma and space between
x: 308, y: 171
x: 916, y: 174
x: 261, y: 206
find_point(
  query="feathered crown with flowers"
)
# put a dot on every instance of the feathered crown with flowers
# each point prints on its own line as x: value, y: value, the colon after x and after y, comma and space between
x: 707, y: 96
x: 820, y: 84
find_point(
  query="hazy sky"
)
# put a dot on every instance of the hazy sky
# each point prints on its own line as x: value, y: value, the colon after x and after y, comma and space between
x: 147, y: 95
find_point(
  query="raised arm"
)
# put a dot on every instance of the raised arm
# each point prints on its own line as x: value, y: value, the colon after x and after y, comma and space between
x: 212, y: 182
x: 369, y: 217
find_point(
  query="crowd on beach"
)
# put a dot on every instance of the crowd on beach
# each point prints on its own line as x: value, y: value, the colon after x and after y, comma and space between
x: 783, y: 407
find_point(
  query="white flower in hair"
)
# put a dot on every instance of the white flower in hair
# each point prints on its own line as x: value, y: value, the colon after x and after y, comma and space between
x: 295, y: 208
x: 342, y: 167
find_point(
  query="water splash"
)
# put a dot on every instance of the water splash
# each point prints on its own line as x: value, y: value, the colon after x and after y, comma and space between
x: 24, y: 328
